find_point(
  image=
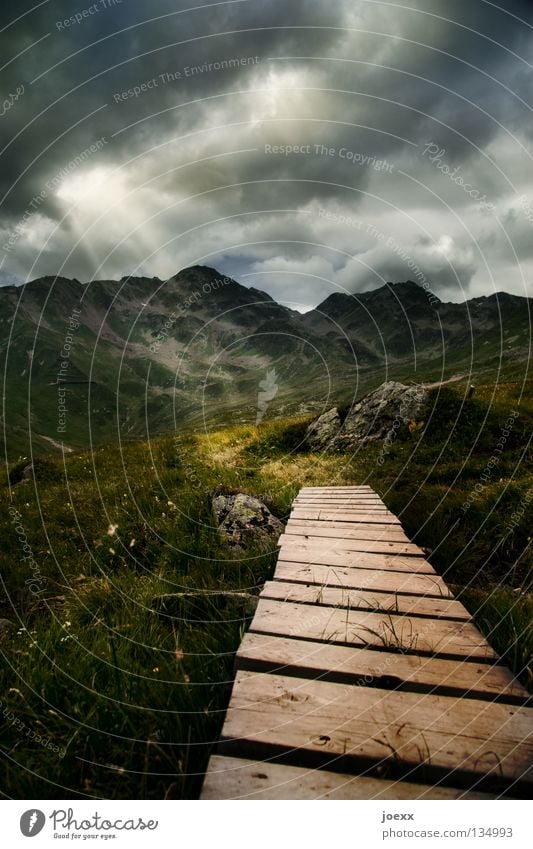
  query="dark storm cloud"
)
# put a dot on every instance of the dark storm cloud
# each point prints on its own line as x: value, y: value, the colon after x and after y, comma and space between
x: 161, y: 88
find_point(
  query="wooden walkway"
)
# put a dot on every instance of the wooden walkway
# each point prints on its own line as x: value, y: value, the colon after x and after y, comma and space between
x: 361, y: 677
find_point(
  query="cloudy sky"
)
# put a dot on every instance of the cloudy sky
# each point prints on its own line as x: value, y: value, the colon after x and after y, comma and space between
x: 303, y: 147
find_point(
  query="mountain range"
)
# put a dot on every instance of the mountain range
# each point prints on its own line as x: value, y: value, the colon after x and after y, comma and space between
x: 87, y: 363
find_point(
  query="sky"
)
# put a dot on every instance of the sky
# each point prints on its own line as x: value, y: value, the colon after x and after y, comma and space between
x: 299, y: 146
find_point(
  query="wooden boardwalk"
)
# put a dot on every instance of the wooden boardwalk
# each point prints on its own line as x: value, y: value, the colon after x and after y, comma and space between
x: 361, y: 677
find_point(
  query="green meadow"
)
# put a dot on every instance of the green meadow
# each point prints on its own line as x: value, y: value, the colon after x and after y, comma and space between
x: 103, y: 696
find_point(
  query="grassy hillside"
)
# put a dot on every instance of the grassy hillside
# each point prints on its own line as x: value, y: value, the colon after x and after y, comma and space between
x: 101, y: 696
x: 140, y: 356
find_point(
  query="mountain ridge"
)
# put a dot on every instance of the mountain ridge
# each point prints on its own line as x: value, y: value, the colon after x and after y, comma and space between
x: 184, y: 275
x: 147, y: 355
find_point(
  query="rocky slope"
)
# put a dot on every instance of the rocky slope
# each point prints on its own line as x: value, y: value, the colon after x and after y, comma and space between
x: 87, y: 363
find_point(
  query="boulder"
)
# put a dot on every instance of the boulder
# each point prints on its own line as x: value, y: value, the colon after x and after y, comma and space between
x: 321, y: 433
x: 42, y: 469
x: 390, y: 411
x: 21, y: 474
x: 245, y: 521
x: 7, y: 629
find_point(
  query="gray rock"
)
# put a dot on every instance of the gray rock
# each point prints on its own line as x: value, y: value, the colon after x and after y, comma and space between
x: 383, y: 414
x: 245, y: 521
x: 321, y: 433
x: 19, y: 476
x: 7, y: 628
x: 386, y: 412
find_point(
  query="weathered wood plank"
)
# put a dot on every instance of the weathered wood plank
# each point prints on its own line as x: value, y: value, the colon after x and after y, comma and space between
x: 382, y: 630
x: 342, y: 499
x: 361, y: 486
x: 387, y: 670
x: 308, y: 554
x: 371, y: 725
x: 414, y: 605
x: 328, y: 498
x: 371, y: 546
x: 362, y: 579
x: 331, y: 530
x: 338, y: 491
x: 371, y: 501
x: 355, y: 506
x: 339, y: 524
x: 336, y: 507
x: 342, y: 505
x: 239, y: 778
x: 315, y: 507
x: 344, y: 516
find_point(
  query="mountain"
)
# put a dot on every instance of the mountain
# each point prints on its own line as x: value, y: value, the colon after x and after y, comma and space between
x: 89, y: 363
x: 403, y: 322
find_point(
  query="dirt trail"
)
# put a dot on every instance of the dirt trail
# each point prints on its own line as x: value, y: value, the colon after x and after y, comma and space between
x: 59, y: 445
x: 452, y: 379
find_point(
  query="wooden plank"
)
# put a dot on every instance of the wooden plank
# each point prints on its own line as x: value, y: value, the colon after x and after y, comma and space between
x: 382, y: 630
x: 330, y: 498
x: 330, y: 530
x: 362, y: 579
x: 350, y: 506
x: 297, y: 716
x: 371, y: 546
x: 361, y: 486
x: 341, y: 496
x: 347, y: 500
x: 347, y: 506
x: 311, y: 554
x: 321, y: 503
x: 413, y: 605
x: 338, y: 496
x: 338, y: 524
x: 343, y: 499
x: 337, y: 490
x: 387, y: 670
x: 344, y: 516
x: 239, y: 778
